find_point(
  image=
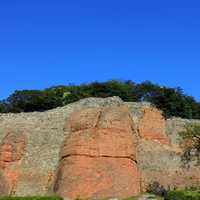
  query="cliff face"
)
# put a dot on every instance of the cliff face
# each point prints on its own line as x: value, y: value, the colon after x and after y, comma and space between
x: 92, y: 148
x: 99, y: 158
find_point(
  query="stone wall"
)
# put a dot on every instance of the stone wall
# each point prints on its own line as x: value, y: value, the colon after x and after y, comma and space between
x: 31, y: 143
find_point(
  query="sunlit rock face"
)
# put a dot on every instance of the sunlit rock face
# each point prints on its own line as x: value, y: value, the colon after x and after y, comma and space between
x: 96, y: 147
x: 98, y: 158
x: 152, y: 126
x: 12, y: 149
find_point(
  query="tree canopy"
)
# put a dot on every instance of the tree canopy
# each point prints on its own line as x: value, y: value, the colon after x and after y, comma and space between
x: 173, y: 101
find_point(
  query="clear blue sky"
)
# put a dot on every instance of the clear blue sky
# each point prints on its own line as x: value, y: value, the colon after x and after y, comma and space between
x: 50, y: 42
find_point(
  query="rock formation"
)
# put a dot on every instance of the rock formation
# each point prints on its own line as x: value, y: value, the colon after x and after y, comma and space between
x: 92, y: 148
x: 11, y: 152
x: 98, y: 158
x: 152, y: 126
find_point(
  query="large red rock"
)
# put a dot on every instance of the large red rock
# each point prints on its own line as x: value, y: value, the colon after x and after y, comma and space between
x: 98, y: 158
x: 11, y: 152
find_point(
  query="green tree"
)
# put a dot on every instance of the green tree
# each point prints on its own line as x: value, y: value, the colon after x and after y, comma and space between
x: 172, y: 101
x: 33, y: 100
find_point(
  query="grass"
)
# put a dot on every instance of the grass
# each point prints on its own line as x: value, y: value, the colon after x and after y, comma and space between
x: 131, y: 198
x: 136, y: 198
x: 183, y: 195
x: 172, y: 195
x: 32, y: 198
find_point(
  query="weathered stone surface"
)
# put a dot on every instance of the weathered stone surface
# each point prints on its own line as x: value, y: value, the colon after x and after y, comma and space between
x: 163, y: 165
x: 100, y: 142
x: 4, y: 187
x: 97, y: 177
x: 36, y: 171
x: 152, y: 126
x: 83, y: 119
x: 99, y: 160
x: 31, y: 169
x: 12, y: 150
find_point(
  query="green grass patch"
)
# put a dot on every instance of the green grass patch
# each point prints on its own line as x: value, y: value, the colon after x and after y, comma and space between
x: 130, y: 198
x: 183, y: 195
x: 151, y: 196
x: 32, y: 198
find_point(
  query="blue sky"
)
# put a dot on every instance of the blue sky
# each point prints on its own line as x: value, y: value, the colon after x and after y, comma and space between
x: 49, y: 42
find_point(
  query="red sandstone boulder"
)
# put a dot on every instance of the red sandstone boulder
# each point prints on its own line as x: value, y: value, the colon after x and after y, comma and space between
x: 98, y: 158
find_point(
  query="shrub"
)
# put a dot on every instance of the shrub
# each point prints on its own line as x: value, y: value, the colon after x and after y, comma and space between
x: 157, y: 189
x: 183, y: 195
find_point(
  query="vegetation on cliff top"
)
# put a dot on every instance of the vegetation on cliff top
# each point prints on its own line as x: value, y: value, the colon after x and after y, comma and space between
x: 172, y: 101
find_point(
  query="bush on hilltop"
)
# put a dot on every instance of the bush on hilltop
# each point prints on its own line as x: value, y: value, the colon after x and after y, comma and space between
x: 172, y: 101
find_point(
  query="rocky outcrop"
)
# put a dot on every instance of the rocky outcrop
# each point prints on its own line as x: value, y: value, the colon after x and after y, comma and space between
x: 11, y: 152
x: 162, y: 164
x: 92, y: 148
x: 12, y: 149
x: 98, y: 158
x: 152, y: 125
